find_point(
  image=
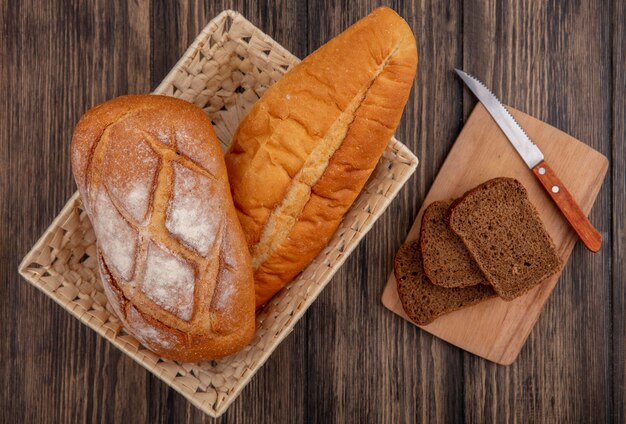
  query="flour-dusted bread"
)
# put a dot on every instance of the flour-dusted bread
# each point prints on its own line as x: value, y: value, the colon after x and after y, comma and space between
x: 505, y: 236
x: 447, y: 262
x: 303, y: 153
x: 173, y: 258
x: 423, y: 301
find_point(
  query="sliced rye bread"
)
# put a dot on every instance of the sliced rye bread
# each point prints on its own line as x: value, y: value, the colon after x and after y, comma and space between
x: 505, y: 236
x: 423, y: 301
x: 447, y: 263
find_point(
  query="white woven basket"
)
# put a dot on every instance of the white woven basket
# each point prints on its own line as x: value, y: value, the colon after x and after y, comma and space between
x: 226, y: 69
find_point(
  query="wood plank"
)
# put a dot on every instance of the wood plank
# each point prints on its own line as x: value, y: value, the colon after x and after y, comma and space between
x: 176, y: 24
x: 56, y: 55
x: 364, y: 364
x: 549, y: 59
x: 618, y: 190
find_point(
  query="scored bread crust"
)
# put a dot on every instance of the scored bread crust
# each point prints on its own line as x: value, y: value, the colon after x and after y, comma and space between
x: 305, y: 150
x: 171, y: 252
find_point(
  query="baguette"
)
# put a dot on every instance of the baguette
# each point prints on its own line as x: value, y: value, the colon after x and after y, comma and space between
x: 172, y: 255
x: 301, y: 156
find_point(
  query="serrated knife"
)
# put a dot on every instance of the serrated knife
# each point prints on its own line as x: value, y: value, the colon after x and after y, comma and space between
x: 533, y: 157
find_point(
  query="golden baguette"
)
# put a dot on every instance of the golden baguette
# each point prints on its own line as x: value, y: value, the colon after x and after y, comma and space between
x: 302, y: 154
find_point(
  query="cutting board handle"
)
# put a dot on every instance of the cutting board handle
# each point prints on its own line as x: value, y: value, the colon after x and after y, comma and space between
x: 590, y: 237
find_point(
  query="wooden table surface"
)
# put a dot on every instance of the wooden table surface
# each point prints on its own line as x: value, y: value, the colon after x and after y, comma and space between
x: 348, y: 359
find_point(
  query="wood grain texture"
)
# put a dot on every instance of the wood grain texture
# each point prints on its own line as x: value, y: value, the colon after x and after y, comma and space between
x: 495, y: 329
x: 349, y: 359
x: 618, y: 206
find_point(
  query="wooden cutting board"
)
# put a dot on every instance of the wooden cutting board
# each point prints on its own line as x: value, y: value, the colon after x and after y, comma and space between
x: 496, y: 330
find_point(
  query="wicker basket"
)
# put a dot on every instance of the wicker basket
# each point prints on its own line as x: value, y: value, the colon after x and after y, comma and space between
x: 226, y: 69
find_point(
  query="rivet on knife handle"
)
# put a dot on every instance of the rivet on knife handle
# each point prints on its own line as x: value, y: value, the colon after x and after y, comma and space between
x: 591, y: 238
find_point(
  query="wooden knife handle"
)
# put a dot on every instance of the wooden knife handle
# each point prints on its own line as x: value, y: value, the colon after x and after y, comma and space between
x: 591, y: 238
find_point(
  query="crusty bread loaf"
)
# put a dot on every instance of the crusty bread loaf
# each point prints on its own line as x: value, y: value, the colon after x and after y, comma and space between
x: 172, y: 255
x: 504, y: 234
x: 447, y: 262
x: 423, y: 301
x: 303, y: 153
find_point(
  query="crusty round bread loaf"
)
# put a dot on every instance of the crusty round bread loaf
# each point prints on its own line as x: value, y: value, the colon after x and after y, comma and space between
x: 173, y: 258
x: 301, y: 156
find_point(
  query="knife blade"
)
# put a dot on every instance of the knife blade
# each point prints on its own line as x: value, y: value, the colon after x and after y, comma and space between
x: 534, y: 159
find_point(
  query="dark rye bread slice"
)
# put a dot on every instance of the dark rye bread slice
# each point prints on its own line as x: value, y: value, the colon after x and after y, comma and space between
x: 423, y: 301
x: 505, y: 236
x: 447, y: 263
